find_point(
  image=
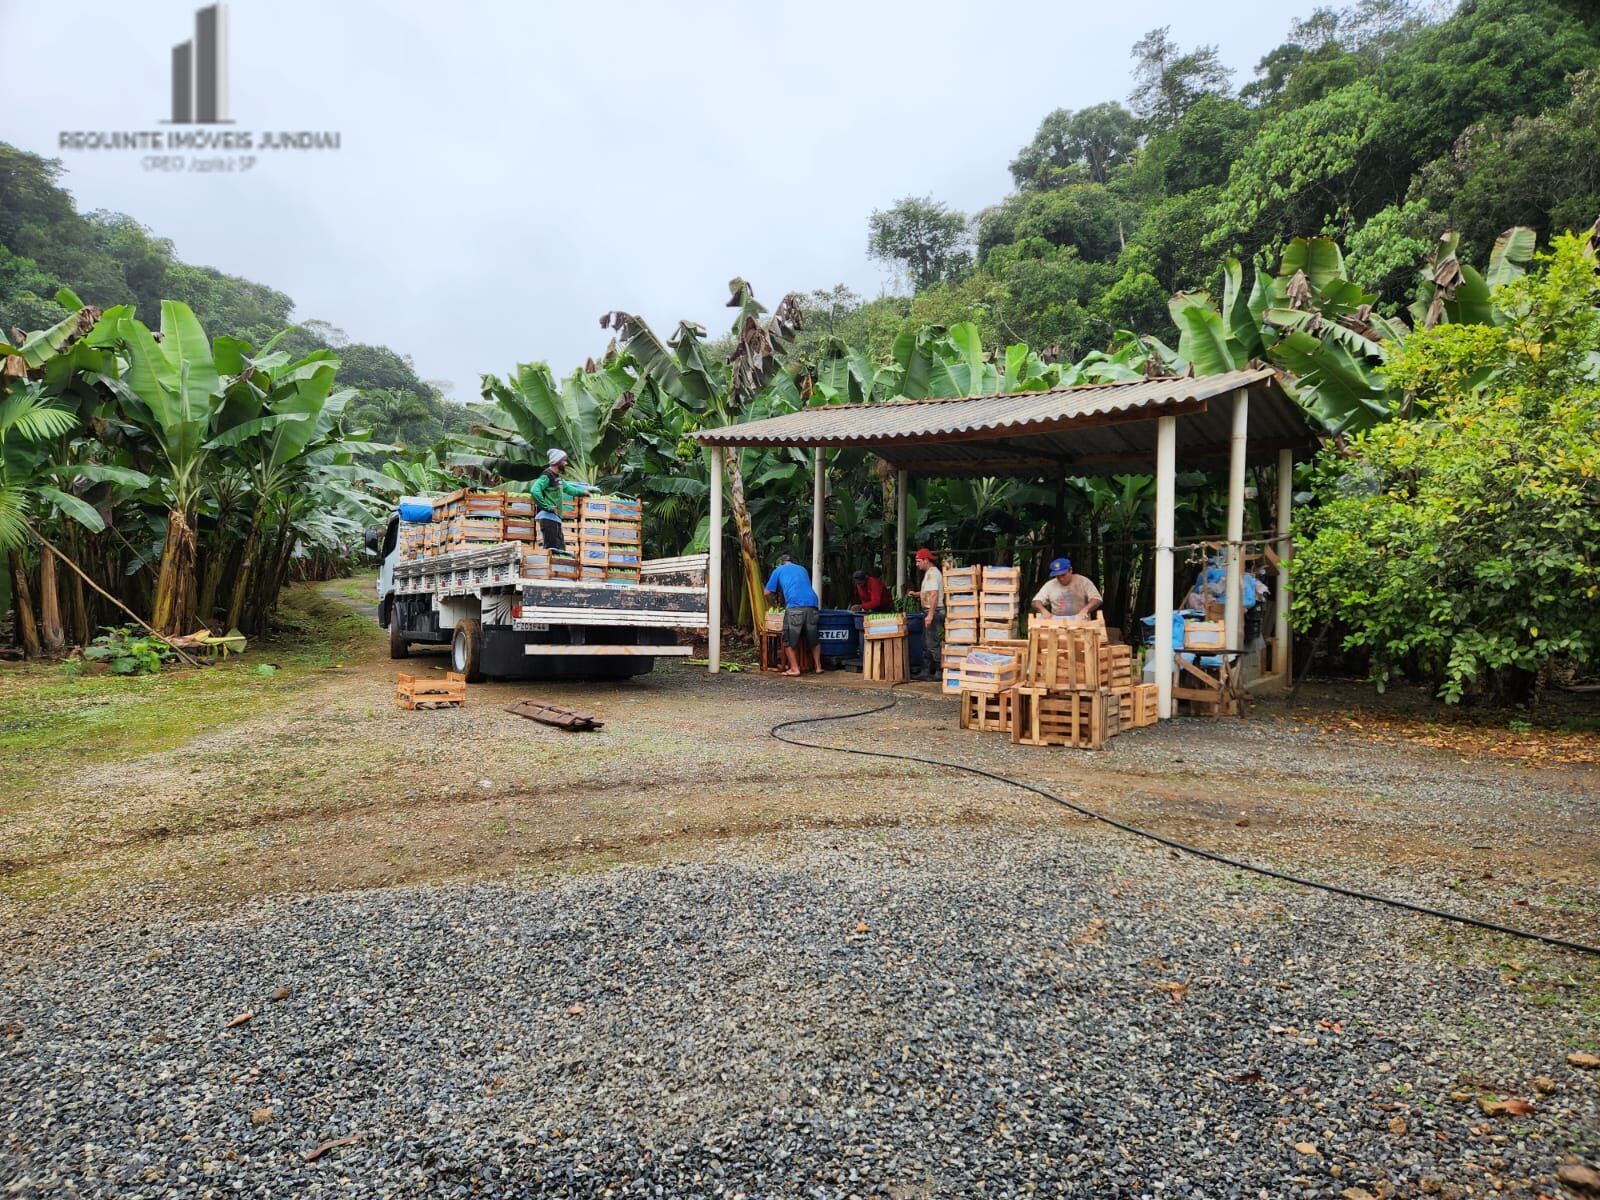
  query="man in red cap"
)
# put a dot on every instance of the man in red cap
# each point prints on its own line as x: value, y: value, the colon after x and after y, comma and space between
x: 932, y: 591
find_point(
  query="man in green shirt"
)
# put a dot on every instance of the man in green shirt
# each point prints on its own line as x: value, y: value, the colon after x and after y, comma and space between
x: 548, y: 491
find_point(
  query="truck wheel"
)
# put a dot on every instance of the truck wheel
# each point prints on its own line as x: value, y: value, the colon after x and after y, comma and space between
x: 399, y: 646
x: 465, y: 647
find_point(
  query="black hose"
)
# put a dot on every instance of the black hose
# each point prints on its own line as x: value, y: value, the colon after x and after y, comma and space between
x: 1173, y: 843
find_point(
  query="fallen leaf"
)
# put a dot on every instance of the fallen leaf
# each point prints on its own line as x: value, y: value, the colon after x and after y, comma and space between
x: 1585, y: 1181
x: 278, y: 993
x: 261, y: 1116
x: 1504, y: 1108
x: 861, y: 927
x: 1092, y: 932
x: 1355, y: 1193
x: 1544, y: 1084
x: 1175, y: 991
x: 317, y: 1152
x: 1306, y: 1148
x: 239, y: 1020
x: 1583, y: 1060
x: 1397, y: 1125
x: 575, y: 1010
x: 1245, y: 1077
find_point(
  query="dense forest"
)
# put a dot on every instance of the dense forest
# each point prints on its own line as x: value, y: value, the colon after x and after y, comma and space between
x: 1381, y: 125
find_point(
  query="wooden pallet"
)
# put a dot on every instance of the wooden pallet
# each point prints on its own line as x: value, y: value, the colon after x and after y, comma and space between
x: 412, y: 693
x: 990, y: 712
x: 1083, y: 720
x: 886, y: 659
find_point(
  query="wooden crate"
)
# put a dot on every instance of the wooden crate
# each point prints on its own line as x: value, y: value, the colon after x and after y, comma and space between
x: 480, y: 530
x: 1083, y: 719
x: 1145, y: 699
x: 519, y: 504
x: 622, y: 533
x: 950, y: 664
x: 1125, y: 705
x: 961, y: 632
x: 535, y: 563
x: 991, y: 631
x: 483, y: 504
x: 887, y: 659
x: 990, y: 712
x: 1063, y: 658
x: 1002, y: 579
x: 990, y: 671
x: 412, y: 692
x: 883, y: 625
x: 774, y: 621
x: 607, y: 507
x: 1116, y: 666
x: 1096, y: 621
x: 563, y: 567
x: 962, y: 608
x: 588, y: 574
x: 519, y: 529
x: 1203, y: 635
x: 616, y: 574
x: 961, y: 580
x: 997, y: 606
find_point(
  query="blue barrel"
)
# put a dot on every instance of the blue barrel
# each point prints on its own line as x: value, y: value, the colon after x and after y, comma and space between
x: 416, y: 510
x: 839, y: 633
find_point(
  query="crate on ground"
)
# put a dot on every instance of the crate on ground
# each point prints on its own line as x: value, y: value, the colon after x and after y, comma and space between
x: 1081, y: 719
x: 1002, y: 579
x: 883, y: 625
x: 990, y: 712
x: 1145, y: 698
x: 987, y: 670
x: 950, y: 667
x: 412, y: 692
x: 1125, y: 705
x: 962, y: 580
x: 1062, y: 658
x: 886, y: 659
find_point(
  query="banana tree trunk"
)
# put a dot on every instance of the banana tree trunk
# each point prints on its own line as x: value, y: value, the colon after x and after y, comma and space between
x: 886, y: 476
x: 77, y: 599
x: 173, y: 610
x: 241, y: 579
x: 51, y: 631
x: 747, y: 542
x: 22, y: 604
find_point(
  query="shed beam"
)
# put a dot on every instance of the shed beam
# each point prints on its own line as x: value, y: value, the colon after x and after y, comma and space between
x: 1283, y: 638
x: 819, y: 492
x: 1233, y: 598
x: 1166, y: 497
x: 714, y: 576
x: 899, y: 534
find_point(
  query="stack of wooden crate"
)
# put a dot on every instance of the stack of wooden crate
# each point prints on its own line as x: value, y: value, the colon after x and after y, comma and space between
x: 1065, y: 684
x: 998, y: 602
x: 961, y: 588
x: 608, y: 539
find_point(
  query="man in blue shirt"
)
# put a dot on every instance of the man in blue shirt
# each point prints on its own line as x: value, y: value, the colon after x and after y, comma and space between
x: 800, y: 612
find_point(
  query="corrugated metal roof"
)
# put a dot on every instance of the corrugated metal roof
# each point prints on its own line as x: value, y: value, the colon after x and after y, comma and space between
x: 1093, y: 429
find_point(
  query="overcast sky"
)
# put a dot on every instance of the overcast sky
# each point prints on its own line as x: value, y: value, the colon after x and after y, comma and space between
x: 509, y: 171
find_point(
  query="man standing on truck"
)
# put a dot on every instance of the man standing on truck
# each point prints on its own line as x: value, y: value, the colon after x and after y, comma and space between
x: 548, y: 491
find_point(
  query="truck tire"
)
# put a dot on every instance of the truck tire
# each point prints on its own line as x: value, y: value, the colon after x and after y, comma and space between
x: 399, y: 646
x: 465, y: 649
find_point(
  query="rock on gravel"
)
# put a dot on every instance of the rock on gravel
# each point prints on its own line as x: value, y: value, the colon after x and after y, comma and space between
x: 915, y: 1013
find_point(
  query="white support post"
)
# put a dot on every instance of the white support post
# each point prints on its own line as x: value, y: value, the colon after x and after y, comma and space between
x: 1233, y: 598
x: 714, y: 576
x: 819, y: 492
x: 1283, y: 639
x: 899, y: 533
x: 1166, y: 504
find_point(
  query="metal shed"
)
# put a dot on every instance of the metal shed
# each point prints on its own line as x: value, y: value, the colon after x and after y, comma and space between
x: 1228, y: 420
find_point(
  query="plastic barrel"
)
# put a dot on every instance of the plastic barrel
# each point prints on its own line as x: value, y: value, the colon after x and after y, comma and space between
x: 914, y: 632
x: 415, y: 510
x: 839, y: 633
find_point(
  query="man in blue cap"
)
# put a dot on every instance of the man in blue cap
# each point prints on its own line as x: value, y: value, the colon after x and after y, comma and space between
x: 1065, y: 594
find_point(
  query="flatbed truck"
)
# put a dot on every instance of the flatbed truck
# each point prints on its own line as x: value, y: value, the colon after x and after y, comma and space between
x: 501, y: 624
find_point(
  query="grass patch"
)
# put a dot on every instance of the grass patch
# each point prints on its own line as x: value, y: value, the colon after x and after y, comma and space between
x: 92, y: 716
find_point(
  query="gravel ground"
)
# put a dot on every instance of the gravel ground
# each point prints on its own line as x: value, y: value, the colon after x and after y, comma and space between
x: 902, y: 1013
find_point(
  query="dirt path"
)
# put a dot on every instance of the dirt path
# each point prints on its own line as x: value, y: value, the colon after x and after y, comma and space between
x: 324, y: 785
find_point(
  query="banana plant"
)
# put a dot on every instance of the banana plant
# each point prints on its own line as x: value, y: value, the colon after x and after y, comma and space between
x: 586, y: 415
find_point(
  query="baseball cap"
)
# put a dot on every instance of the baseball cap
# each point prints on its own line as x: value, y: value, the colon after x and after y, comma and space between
x: 1060, y: 566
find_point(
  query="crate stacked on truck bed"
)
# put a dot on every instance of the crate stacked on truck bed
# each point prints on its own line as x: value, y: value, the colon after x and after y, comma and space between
x: 602, y: 534
x: 1065, y: 684
x: 609, y: 539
